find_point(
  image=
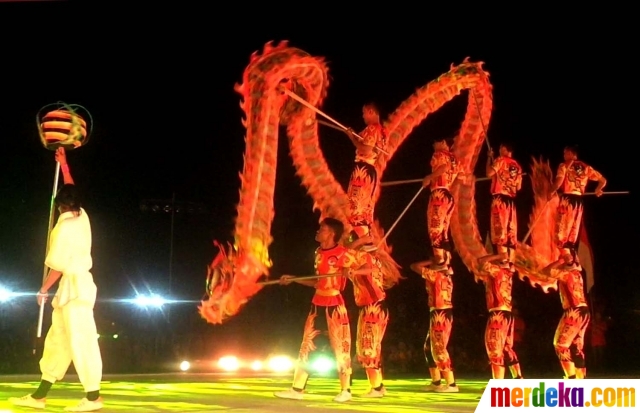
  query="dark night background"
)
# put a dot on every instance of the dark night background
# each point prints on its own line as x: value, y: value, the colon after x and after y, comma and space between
x: 159, y: 84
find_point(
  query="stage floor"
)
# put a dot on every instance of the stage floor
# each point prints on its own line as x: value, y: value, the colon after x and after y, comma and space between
x: 220, y: 392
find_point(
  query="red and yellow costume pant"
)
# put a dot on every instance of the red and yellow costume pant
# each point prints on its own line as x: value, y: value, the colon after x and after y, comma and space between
x: 362, y: 187
x: 498, y: 339
x: 569, y: 339
x: 435, y: 345
x: 372, y: 324
x: 326, y: 329
x: 504, y: 226
x: 438, y: 219
x: 568, y: 220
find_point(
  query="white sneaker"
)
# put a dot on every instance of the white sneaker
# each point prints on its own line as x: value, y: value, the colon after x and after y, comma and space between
x: 28, y: 401
x: 448, y: 389
x: 86, y: 406
x: 432, y: 387
x: 374, y: 394
x: 289, y: 394
x: 344, y: 396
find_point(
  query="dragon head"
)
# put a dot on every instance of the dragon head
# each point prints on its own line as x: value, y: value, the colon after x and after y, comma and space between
x: 228, y: 285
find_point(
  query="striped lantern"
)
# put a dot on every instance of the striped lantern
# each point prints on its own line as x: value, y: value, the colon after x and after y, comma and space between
x: 62, y: 125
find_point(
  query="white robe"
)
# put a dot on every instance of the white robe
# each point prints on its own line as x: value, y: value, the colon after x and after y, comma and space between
x: 73, y: 335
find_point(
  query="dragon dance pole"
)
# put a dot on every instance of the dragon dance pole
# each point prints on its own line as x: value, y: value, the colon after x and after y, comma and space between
x: 303, y: 277
x: 321, y: 113
x: 52, y: 210
x: 415, y: 181
x: 400, y: 217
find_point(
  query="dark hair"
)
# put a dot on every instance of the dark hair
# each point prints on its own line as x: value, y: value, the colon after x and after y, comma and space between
x: 449, y: 141
x: 572, y: 148
x: 336, y: 226
x: 507, y: 146
x: 373, y: 106
x: 68, y: 197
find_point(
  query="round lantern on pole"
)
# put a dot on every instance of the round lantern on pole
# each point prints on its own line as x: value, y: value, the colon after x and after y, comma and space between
x: 60, y: 125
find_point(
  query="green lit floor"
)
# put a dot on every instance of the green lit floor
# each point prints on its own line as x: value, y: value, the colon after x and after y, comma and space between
x: 218, y: 392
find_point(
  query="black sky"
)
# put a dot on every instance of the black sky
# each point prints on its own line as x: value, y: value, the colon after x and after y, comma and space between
x: 159, y: 84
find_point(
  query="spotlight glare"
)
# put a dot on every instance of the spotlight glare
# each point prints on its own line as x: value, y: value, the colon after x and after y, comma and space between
x: 322, y: 365
x: 150, y: 301
x: 185, y: 365
x: 256, y: 365
x: 280, y: 364
x: 229, y: 363
x: 5, y: 295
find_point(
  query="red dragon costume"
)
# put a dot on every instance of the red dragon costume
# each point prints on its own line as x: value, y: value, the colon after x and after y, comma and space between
x: 499, y: 332
x: 506, y: 181
x: 234, y: 274
x: 572, y: 179
x: 365, y: 178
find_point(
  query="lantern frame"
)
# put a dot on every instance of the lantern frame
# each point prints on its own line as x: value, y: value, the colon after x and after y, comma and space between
x: 74, y: 109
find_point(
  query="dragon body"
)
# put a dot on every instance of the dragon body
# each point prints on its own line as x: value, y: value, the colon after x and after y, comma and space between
x: 531, y: 259
x: 234, y: 274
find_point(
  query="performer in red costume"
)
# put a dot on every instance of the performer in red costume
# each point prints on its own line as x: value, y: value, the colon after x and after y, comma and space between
x: 498, y: 336
x: 444, y: 171
x: 440, y: 293
x: 364, y: 178
x: 506, y: 180
x: 572, y: 178
x: 373, y: 317
x: 569, y: 338
x: 333, y: 325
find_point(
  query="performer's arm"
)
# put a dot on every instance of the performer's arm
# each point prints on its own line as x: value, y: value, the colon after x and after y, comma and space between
x: 61, y: 157
x: 490, y: 258
x: 418, y: 266
x: 359, y: 242
x: 490, y: 168
x: 51, y: 279
x: 549, y: 270
x: 560, y: 175
x: 360, y: 145
x: 597, y: 176
x: 288, y: 279
x: 362, y: 270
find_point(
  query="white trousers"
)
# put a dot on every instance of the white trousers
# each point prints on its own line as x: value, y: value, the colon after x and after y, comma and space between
x: 73, y: 337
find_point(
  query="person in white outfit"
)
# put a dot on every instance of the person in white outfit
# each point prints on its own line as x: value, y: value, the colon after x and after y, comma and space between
x: 73, y: 335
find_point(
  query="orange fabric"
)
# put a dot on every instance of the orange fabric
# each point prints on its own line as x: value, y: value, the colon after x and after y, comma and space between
x: 576, y: 177
x: 444, y: 181
x: 332, y: 261
x: 439, y: 289
x: 508, y: 176
x: 372, y: 135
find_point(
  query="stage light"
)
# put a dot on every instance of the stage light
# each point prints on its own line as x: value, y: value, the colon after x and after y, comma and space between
x: 5, y: 295
x: 256, y: 365
x: 150, y: 301
x: 185, y: 365
x: 322, y: 364
x: 280, y: 364
x: 229, y: 363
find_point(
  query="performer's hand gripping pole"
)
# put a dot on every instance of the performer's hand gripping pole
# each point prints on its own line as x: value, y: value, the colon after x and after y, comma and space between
x: 321, y: 113
x: 396, y: 222
x: 52, y: 210
x: 301, y: 278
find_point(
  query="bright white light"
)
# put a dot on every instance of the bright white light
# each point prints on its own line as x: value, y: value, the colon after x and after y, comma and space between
x: 185, y: 365
x: 229, y: 363
x: 150, y: 301
x: 280, y: 364
x: 322, y: 365
x: 5, y: 295
x: 256, y: 365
